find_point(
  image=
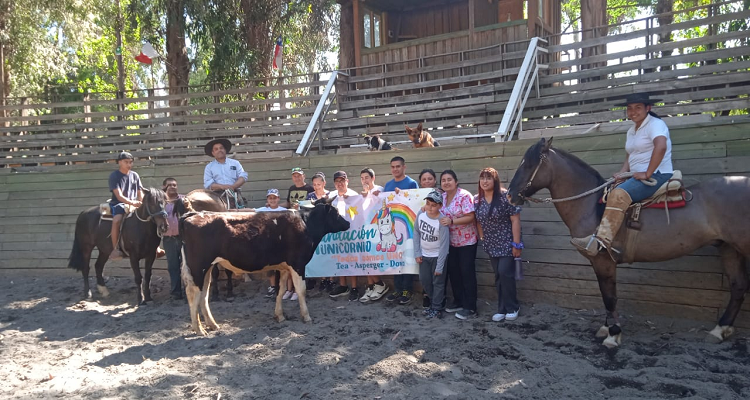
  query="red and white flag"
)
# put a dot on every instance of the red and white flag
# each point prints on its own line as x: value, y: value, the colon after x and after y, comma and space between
x: 277, y: 53
x: 148, y: 53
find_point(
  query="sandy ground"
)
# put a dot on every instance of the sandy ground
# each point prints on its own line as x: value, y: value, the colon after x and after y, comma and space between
x: 54, y: 346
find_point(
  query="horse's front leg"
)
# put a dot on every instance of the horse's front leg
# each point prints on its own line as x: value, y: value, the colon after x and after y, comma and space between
x: 606, y: 275
x: 149, y: 263
x: 135, y: 266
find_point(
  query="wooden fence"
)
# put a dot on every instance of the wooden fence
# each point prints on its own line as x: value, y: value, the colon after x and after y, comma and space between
x: 38, y: 210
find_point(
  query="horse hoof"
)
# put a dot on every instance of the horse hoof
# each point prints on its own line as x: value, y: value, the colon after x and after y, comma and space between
x: 612, y: 341
x: 200, y: 331
x: 307, y: 319
x: 102, y: 291
x: 212, y: 327
x: 279, y: 318
x: 603, y: 332
x: 719, y: 333
x: 87, y: 295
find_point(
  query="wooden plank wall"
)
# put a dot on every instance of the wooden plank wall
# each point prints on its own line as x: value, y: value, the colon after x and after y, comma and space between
x: 38, y: 211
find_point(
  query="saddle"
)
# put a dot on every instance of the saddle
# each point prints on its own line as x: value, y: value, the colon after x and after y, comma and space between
x: 671, y: 194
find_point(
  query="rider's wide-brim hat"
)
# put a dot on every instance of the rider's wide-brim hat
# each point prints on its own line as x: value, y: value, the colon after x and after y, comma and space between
x: 210, y: 146
x: 638, y: 98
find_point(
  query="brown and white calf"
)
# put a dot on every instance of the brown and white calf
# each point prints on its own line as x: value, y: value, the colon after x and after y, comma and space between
x: 252, y: 242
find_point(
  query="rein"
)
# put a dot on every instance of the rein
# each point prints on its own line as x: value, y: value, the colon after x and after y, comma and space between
x: 543, y: 158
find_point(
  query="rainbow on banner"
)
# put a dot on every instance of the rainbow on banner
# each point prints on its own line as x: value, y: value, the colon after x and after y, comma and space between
x: 402, y: 213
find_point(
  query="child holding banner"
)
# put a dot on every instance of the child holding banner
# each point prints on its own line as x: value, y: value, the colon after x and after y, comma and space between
x: 431, y: 246
x: 376, y: 288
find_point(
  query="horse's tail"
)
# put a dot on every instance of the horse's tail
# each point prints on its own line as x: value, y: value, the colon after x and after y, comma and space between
x: 400, y: 240
x: 76, y: 260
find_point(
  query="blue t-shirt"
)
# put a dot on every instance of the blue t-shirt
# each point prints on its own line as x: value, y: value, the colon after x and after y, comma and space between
x: 129, y: 184
x: 406, y: 183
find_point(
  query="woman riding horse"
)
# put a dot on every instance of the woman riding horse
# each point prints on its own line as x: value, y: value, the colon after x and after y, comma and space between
x: 649, y: 158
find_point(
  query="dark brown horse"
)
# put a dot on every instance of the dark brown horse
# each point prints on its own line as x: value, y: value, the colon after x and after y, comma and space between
x: 140, y: 236
x: 717, y: 215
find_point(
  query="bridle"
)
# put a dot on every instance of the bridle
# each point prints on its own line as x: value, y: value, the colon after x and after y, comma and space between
x: 159, y: 213
x: 542, y: 159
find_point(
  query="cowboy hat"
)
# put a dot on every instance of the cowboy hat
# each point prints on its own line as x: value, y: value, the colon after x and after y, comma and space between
x: 210, y: 146
x: 637, y: 98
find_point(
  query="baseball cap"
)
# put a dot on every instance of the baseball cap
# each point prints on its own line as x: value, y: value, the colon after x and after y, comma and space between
x: 273, y: 192
x: 339, y: 174
x: 124, y: 156
x: 297, y: 170
x: 435, y: 196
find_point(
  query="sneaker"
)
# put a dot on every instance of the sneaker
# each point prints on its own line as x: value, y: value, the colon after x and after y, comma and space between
x: 498, y: 317
x: 426, y: 311
x: 330, y: 286
x: 354, y: 294
x: 115, y: 255
x: 272, y: 292
x: 405, y: 298
x: 512, y: 316
x: 294, y: 297
x: 393, y: 296
x: 466, y: 314
x: 287, y: 295
x: 426, y: 303
x: 432, y: 313
x: 339, y: 291
x: 323, y: 285
x: 378, y: 291
x: 453, y: 308
x: 366, y: 297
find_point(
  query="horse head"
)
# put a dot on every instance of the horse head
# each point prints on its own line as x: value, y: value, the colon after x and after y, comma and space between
x: 154, y: 205
x: 531, y: 175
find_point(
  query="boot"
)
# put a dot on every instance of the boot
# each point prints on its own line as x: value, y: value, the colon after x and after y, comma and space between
x: 617, y: 203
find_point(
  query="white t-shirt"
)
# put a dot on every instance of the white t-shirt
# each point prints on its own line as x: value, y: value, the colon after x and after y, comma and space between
x: 265, y: 209
x: 430, y: 238
x: 640, y: 145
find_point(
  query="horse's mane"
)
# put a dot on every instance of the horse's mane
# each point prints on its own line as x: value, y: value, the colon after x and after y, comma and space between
x: 158, y: 195
x: 534, y: 153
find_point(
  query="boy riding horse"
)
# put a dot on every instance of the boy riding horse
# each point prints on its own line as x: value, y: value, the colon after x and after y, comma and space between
x: 125, y: 185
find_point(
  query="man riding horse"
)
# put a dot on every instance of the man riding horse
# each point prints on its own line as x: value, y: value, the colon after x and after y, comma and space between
x: 649, y: 158
x: 224, y: 175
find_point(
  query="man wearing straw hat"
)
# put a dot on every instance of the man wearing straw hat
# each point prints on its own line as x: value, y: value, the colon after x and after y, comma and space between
x: 223, y: 173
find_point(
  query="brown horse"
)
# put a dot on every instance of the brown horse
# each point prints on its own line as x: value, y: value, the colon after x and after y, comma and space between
x: 140, y: 236
x: 718, y: 215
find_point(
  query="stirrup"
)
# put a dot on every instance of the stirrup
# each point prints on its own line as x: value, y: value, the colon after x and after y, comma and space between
x: 593, y: 241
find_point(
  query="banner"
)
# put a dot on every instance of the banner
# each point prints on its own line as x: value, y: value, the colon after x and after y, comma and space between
x: 380, y: 240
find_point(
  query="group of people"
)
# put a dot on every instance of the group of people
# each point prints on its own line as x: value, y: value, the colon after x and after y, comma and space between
x: 447, y: 231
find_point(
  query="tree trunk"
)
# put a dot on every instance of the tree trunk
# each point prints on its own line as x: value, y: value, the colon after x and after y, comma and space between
x: 258, y: 17
x: 662, y: 7
x: 346, y: 26
x: 593, y: 25
x: 178, y: 67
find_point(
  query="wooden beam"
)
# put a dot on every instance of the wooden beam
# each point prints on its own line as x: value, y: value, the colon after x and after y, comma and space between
x: 471, y: 24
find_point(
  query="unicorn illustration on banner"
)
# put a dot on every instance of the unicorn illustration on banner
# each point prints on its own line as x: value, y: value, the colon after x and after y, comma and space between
x: 387, y: 227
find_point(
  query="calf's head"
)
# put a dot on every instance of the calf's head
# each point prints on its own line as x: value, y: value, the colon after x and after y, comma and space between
x: 322, y: 219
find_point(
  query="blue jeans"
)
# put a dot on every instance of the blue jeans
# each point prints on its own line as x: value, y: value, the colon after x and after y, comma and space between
x: 403, y: 282
x: 173, y: 248
x: 639, y: 191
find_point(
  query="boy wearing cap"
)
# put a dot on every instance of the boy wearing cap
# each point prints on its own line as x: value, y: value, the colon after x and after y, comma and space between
x: 431, y: 245
x: 341, y: 182
x: 272, y: 198
x: 222, y: 173
x: 126, y: 188
x: 299, y: 190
